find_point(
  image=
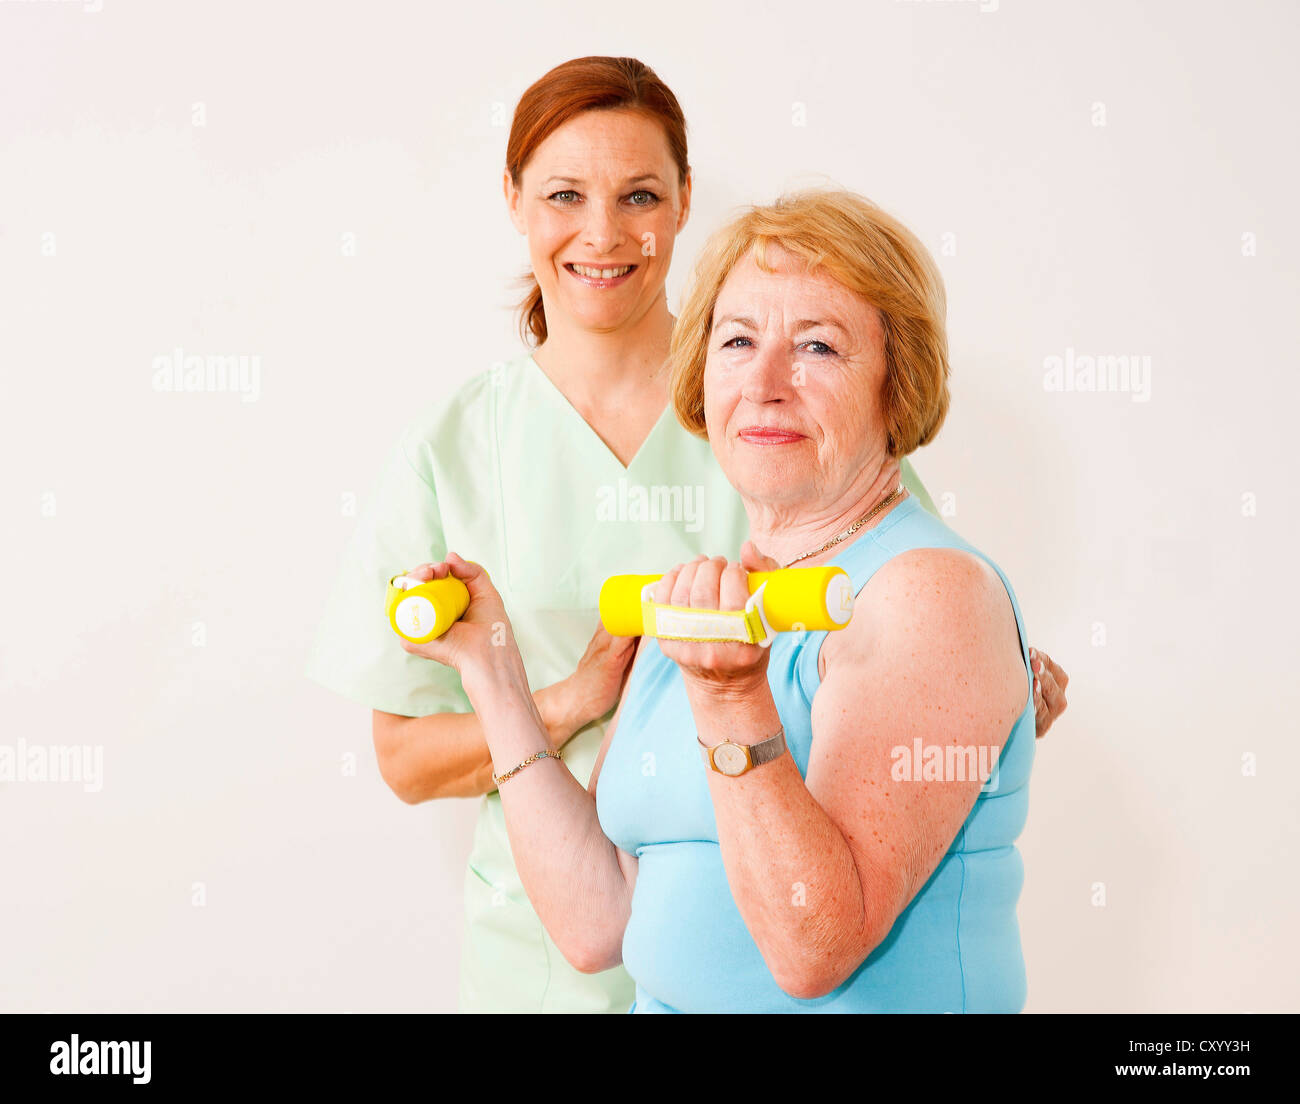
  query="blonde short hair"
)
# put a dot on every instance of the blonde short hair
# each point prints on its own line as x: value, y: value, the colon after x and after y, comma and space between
x: 850, y: 239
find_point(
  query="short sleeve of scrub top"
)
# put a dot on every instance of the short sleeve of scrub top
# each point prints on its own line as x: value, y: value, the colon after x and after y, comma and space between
x: 355, y: 652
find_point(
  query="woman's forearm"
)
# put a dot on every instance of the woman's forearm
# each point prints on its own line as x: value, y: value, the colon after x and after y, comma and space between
x: 569, y: 869
x: 789, y: 867
x: 446, y: 754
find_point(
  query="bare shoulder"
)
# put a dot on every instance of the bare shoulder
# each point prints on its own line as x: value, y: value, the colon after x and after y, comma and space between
x: 943, y: 579
x: 933, y: 643
x: 941, y: 599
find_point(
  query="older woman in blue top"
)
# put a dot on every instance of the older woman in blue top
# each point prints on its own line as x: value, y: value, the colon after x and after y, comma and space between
x: 808, y: 826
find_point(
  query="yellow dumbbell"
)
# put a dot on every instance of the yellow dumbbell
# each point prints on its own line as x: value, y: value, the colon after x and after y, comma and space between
x: 794, y: 598
x: 419, y: 612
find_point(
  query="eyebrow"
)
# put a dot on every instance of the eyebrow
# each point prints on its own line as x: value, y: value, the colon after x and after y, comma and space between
x: 643, y: 178
x: 799, y: 327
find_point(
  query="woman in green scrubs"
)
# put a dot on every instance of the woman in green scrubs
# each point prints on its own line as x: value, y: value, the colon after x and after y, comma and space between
x: 553, y: 470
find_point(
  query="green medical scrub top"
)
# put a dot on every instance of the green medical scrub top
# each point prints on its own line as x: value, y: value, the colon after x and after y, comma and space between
x: 506, y: 472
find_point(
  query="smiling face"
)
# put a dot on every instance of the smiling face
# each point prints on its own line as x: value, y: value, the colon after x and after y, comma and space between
x: 601, y: 204
x: 792, y: 385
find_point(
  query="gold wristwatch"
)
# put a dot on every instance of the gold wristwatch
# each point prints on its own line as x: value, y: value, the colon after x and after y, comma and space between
x: 734, y: 760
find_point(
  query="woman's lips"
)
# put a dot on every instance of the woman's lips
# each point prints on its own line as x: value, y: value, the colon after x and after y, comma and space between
x: 760, y: 435
x: 586, y: 275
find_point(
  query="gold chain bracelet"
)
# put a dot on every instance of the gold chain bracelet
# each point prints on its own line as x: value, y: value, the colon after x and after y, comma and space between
x: 497, y: 779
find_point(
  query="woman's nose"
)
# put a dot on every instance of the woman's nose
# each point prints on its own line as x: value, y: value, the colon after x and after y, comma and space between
x: 769, y: 375
x: 602, y: 231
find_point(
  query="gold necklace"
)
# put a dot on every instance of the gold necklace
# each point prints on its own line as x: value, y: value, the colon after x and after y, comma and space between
x: 893, y: 495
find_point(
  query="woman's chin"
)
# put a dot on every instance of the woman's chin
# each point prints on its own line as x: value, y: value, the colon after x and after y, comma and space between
x: 771, y: 486
x: 601, y: 316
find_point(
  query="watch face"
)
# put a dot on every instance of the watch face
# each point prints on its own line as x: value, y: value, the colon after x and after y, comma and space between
x: 730, y: 759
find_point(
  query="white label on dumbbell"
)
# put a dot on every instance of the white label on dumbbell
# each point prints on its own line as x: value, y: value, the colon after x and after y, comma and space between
x: 702, y: 624
x: 415, y: 616
x: 839, y: 599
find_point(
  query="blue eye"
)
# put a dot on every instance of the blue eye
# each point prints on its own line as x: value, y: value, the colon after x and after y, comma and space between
x: 824, y: 350
x: 731, y: 344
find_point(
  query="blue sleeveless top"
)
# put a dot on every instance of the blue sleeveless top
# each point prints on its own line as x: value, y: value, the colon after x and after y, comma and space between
x: 955, y: 948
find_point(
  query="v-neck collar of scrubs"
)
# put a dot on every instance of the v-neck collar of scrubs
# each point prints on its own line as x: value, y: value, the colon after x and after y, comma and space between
x: 589, y: 434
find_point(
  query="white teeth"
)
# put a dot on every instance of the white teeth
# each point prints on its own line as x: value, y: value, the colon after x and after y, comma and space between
x: 601, y: 273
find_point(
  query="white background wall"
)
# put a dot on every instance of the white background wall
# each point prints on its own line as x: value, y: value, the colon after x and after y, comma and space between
x: 1116, y: 519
